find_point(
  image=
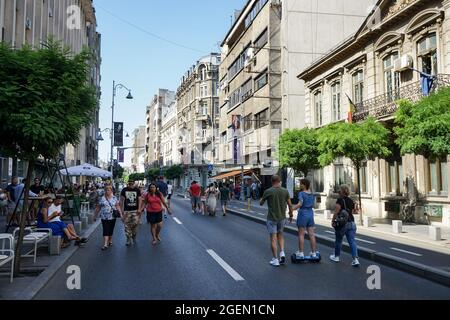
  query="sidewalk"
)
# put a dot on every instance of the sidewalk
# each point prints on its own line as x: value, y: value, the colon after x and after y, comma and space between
x: 35, y: 276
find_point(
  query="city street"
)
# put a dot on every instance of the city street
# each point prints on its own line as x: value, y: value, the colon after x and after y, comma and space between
x: 203, y: 257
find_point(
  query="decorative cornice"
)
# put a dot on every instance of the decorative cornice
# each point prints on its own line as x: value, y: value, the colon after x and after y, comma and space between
x: 400, y: 5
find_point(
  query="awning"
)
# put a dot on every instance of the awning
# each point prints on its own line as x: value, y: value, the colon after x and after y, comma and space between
x: 231, y: 174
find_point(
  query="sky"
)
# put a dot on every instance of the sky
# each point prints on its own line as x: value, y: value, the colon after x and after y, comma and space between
x: 134, y: 55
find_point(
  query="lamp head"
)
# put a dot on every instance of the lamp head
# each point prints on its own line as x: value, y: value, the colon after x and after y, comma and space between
x: 99, y: 136
x: 129, y: 96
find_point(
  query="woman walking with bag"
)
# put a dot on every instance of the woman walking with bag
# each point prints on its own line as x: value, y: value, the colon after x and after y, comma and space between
x: 211, y: 200
x: 154, y: 202
x: 109, y: 209
x: 344, y: 206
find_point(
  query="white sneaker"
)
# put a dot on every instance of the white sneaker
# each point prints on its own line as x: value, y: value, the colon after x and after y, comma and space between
x: 275, y: 262
x: 355, y: 262
x: 334, y: 258
x: 282, y: 258
x: 313, y: 255
x: 299, y: 255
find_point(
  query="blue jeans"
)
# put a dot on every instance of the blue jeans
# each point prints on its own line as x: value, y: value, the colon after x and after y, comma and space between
x: 350, y: 233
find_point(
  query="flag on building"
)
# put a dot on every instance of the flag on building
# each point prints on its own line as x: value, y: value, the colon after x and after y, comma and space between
x: 351, y: 111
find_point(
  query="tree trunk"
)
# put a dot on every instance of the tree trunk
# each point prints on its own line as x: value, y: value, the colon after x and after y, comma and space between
x: 359, y: 194
x: 23, y: 219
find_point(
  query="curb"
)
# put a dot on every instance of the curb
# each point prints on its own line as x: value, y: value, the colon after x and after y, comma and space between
x: 417, y: 269
x: 41, y: 281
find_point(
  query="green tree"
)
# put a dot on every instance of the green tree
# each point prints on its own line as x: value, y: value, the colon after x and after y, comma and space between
x: 118, y: 170
x: 45, y: 100
x: 423, y: 128
x: 298, y: 149
x: 174, y: 172
x: 153, y: 173
x: 358, y: 142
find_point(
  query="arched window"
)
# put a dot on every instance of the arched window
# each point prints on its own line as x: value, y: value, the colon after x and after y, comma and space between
x: 391, y: 78
x: 427, y: 53
x: 358, y: 86
x: 336, y: 100
x: 318, y: 108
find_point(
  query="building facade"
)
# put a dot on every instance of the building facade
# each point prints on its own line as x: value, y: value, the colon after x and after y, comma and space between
x: 161, y: 101
x: 376, y: 67
x: 197, y: 116
x: 74, y: 23
x: 138, y: 151
x: 269, y: 43
x: 169, y: 136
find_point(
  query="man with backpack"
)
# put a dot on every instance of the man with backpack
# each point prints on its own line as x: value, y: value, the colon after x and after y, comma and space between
x: 344, y: 224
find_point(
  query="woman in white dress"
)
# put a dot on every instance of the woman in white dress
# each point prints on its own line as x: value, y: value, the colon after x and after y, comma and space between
x: 211, y: 200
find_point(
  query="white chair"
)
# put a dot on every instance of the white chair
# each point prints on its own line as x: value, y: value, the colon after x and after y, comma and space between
x: 7, y: 255
x: 34, y: 237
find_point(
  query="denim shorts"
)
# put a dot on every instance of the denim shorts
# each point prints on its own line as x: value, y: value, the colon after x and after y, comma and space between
x: 276, y: 226
x: 305, y: 220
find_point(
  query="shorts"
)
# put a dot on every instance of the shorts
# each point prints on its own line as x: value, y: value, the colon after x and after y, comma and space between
x: 275, y: 227
x: 154, y: 217
x: 195, y: 201
x: 224, y: 202
x: 305, y: 220
x: 169, y: 196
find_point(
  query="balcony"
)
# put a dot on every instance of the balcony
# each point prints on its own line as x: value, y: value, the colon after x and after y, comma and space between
x: 203, y: 136
x: 386, y: 105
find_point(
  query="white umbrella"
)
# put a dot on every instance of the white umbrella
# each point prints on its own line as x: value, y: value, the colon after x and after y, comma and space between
x: 86, y: 170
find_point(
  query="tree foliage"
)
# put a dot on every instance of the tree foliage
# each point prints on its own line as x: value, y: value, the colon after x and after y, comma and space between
x: 152, y: 174
x: 423, y: 128
x: 174, y: 172
x: 298, y: 149
x: 137, y: 177
x: 358, y: 142
x: 45, y: 99
x: 118, y: 170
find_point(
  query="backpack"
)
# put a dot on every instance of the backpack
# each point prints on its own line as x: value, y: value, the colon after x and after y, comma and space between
x: 342, y: 217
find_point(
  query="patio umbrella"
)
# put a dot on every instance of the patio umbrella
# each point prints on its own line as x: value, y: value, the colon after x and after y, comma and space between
x: 86, y: 170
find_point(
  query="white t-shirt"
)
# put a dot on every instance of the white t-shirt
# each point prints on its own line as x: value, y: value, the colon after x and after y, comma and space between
x: 169, y: 189
x: 52, y: 210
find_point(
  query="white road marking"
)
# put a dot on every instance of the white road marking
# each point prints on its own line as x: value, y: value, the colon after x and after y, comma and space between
x: 330, y: 232
x: 408, y: 252
x: 225, y: 266
x: 366, y: 241
x: 177, y: 221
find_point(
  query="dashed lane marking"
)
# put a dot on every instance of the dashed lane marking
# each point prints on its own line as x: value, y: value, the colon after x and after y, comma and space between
x: 177, y: 220
x: 408, y: 252
x: 236, y: 276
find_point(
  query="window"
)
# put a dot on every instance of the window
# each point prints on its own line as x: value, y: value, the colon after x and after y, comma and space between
x: 395, y: 177
x: 261, y: 81
x: 202, y: 72
x: 223, y: 137
x: 204, y: 109
x: 261, y: 119
x: 237, y: 65
x: 363, y: 178
x: 427, y: 50
x: 438, y: 176
x: 318, y: 181
x: 203, y: 91
x: 247, y: 90
x: 336, y: 100
x: 216, y: 108
x: 358, y: 86
x: 235, y: 98
x: 261, y: 41
x: 391, y: 78
x: 248, y: 122
x: 254, y: 12
x: 318, y: 109
x: 339, y: 176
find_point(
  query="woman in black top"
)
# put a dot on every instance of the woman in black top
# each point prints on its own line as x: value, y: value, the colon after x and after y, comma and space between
x: 349, y: 230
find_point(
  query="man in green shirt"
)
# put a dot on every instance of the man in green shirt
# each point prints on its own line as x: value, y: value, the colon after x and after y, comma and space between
x: 277, y: 200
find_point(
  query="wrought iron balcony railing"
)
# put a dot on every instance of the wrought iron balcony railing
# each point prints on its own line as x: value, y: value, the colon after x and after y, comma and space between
x: 387, y: 104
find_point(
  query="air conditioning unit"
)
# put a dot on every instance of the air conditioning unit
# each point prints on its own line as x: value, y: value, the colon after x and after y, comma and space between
x: 224, y: 85
x: 403, y: 63
x: 249, y: 56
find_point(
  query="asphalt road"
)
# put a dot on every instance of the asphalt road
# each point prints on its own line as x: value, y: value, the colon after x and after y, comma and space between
x: 221, y: 258
x: 417, y: 253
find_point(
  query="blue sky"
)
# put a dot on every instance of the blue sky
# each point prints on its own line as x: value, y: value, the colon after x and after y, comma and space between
x: 144, y: 63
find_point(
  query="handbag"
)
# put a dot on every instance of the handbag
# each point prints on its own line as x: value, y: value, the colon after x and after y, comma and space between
x: 341, y: 218
x: 115, y: 212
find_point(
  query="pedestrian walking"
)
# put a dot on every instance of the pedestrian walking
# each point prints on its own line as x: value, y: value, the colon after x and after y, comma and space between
x: 305, y: 219
x: 109, y: 209
x: 277, y: 199
x: 346, y: 204
x: 211, y: 199
x: 163, y: 189
x: 224, y: 197
x: 169, y: 192
x: 129, y: 203
x: 154, y: 203
x: 195, y: 193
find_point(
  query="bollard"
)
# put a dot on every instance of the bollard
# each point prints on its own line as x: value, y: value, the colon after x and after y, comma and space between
x: 55, y: 245
x: 434, y: 233
x: 367, y: 222
x: 84, y: 222
x: 397, y: 226
x: 78, y: 227
x: 90, y: 218
x: 327, y: 214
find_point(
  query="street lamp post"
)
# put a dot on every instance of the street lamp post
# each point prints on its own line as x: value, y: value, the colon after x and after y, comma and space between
x: 129, y: 97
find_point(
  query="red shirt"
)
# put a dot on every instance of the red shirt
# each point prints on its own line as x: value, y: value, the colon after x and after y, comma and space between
x: 154, y: 204
x: 195, y: 190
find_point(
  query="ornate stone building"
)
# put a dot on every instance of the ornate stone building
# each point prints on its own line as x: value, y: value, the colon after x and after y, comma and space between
x: 375, y: 68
